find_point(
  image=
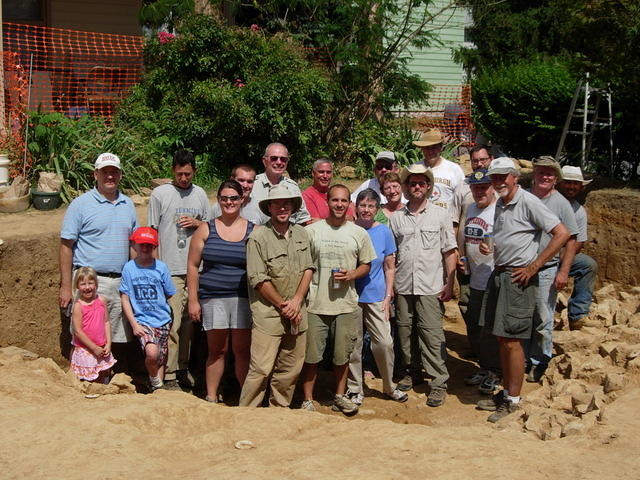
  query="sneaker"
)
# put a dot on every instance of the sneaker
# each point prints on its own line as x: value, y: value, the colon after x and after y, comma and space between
x: 397, y: 395
x: 355, y: 397
x: 308, y: 406
x: 171, y: 385
x: 505, y: 408
x: 476, y: 378
x: 209, y: 399
x: 489, y: 384
x: 491, y: 404
x: 185, y: 380
x: 341, y: 403
x: 155, y: 383
x: 535, y: 373
x: 406, y: 383
x: 436, y: 397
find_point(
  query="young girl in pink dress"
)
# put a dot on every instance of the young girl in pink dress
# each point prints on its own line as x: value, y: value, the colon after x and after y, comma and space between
x: 91, y: 359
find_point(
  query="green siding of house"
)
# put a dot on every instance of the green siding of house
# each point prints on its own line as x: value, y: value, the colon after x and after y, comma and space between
x: 435, y: 64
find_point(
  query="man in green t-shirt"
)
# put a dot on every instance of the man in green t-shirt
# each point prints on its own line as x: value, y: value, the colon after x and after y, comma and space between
x: 341, y: 252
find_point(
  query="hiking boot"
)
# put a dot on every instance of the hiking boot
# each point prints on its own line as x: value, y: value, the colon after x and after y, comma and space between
x: 308, y: 406
x: 341, y: 403
x: 489, y: 384
x: 184, y: 379
x: 436, y: 397
x: 506, y: 407
x: 398, y: 396
x: 355, y: 397
x: 406, y: 383
x: 535, y: 373
x: 491, y: 404
x: 476, y: 378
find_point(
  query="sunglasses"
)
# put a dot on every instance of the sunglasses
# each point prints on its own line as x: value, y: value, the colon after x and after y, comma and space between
x: 384, y: 167
x: 229, y: 198
x: 275, y: 158
x: 416, y: 184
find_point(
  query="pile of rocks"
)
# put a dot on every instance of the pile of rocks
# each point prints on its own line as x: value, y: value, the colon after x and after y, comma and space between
x: 591, y: 368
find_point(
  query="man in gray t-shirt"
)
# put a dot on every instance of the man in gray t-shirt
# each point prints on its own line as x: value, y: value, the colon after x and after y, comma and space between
x: 176, y: 209
x: 519, y: 220
x: 554, y: 275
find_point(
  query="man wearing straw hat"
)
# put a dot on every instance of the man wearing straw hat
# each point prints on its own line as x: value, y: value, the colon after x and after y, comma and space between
x: 279, y: 270
x: 425, y: 240
x: 584, y: 268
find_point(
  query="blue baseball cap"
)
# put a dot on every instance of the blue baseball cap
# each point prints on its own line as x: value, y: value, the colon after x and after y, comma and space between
x: 479, y: 176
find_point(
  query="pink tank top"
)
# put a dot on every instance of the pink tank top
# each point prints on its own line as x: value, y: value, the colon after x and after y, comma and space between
x: 93, y: 323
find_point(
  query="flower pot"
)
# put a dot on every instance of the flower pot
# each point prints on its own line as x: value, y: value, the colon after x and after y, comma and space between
x: 14, y: 204
x: 45, y: 200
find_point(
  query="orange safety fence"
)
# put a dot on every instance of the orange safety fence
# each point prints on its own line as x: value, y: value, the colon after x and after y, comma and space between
x: 72, y: 72
x: 449, y: 110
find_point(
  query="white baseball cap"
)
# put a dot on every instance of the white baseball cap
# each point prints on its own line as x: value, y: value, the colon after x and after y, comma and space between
x: 107, y: 160
x: 502, y: 166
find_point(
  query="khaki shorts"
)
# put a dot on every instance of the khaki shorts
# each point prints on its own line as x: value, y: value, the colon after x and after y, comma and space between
x: 508, y: 307
x: 342, y: 329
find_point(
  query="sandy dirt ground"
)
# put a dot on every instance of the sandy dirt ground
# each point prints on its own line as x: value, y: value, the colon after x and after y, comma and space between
x: 50, y: 430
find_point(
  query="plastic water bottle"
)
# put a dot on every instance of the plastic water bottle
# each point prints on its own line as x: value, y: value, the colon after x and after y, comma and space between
x: 182, y: 233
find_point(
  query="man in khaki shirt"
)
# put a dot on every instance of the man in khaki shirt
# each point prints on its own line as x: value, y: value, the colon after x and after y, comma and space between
x: 279, y: 270
x: 424, y: 236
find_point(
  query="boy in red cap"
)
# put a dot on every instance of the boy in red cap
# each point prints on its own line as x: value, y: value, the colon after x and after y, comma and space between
x: 146, y: 286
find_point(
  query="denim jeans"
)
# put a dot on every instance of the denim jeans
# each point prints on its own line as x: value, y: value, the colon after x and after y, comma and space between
x: 541, y: 346
x: 583, y: 270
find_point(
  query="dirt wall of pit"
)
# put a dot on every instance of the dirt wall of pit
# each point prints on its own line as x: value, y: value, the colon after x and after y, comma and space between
x: 30, y: 318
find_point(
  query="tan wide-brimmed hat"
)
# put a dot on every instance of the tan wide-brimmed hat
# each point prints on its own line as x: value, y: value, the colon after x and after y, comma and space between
x: 280, y: 192
x: 418, y: 169
x: 430, y: 137
x: 548, y: 161
x: 574, y: 174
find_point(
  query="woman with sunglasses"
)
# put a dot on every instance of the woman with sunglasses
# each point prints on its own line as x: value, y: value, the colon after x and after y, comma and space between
x: 218, y: 295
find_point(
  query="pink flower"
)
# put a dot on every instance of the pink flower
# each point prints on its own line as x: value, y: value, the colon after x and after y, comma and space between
x: 165, y: 37
x: 255, y: 28
x: 238, y: 83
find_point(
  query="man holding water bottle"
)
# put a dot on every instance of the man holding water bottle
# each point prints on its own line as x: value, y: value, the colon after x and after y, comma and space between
x: 176, y: 209
x: 279, y: 270
x: 342, y: 252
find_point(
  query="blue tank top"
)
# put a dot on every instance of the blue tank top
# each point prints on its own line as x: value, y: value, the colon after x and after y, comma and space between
x: 224, y: 266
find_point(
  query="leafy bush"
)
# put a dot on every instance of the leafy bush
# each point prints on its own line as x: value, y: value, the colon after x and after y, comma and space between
x: 226, y: 93
x: 69, y: 148
x: 523, y: 106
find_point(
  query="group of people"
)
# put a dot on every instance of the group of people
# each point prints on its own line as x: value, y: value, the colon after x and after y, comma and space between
x: 279, y: 276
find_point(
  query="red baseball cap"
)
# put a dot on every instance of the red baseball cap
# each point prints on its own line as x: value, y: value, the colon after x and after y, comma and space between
x: 145, y: 235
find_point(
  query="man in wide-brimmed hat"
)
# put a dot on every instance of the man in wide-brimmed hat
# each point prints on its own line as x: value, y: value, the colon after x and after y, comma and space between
x: 279, y: 270
x: 554, y: 276
x: 424, y: 236
x: 448, y: 177
x: 584, y: 268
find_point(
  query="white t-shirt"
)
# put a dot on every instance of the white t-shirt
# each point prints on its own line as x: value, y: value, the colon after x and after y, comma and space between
x: 448, y: 177
x: 478, y: 223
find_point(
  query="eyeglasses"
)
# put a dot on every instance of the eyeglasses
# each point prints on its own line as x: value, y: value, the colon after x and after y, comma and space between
x: 482, y: 159
x: 229, y: 198
x: 275, y: 158
x: 416, y: 184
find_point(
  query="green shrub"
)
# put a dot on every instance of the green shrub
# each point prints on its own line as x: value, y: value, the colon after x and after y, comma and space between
x: 69, y: 148
x: 523, y: 106
x: 226, y: 93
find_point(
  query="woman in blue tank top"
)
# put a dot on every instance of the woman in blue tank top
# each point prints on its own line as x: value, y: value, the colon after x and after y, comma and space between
x: 218, y: 295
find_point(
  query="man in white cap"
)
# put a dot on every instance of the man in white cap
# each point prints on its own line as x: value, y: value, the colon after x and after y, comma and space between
x: 385, y: 162
x: 584, y: 268
x: 554, y: 275
x: 279, y: 270
x: 95, y: 233
x: 448, y: 177
x: 520, y: 219
x: 275, y: 161
x: 425, y: 239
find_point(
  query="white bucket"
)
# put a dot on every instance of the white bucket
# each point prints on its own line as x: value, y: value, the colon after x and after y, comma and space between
x: 4, y: 169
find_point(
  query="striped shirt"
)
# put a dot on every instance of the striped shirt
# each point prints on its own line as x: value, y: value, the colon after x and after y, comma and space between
x: 224, y: 266
x: 100, y: 230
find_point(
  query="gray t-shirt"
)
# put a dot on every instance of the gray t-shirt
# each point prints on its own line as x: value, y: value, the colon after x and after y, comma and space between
x: 166, y: 203
x: 562, y: 208
x: 250, y: 212
x: 516, y: 229
x: 581, y: 220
